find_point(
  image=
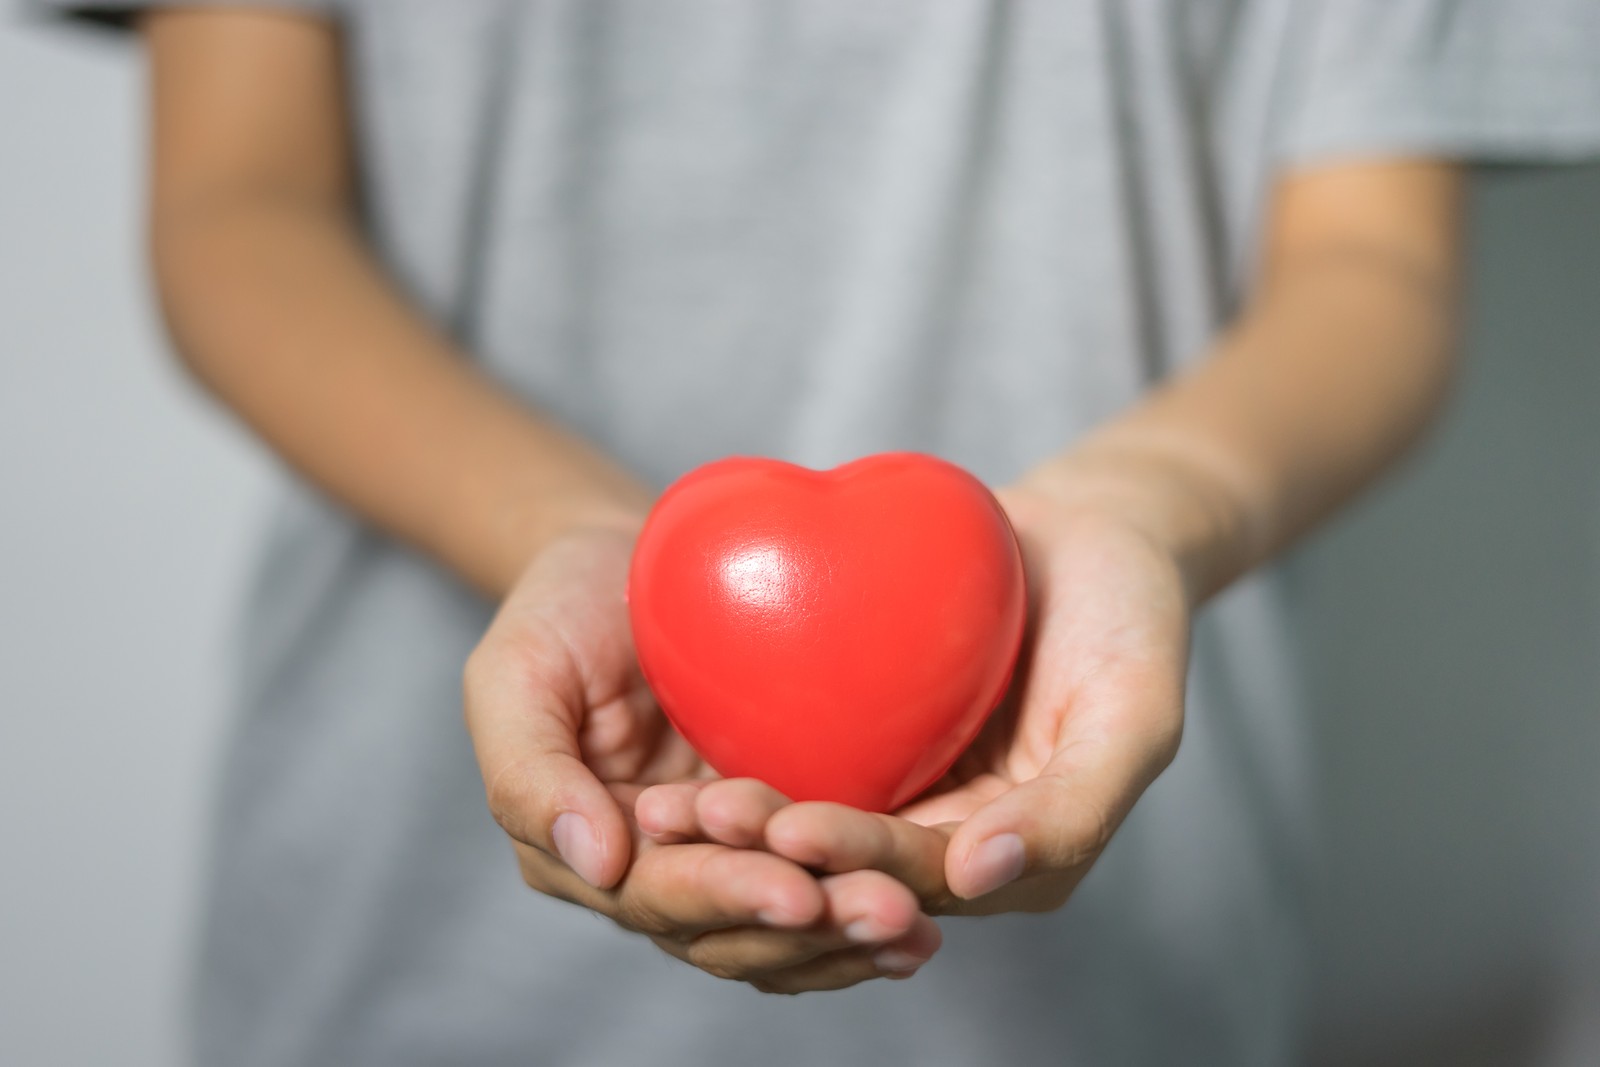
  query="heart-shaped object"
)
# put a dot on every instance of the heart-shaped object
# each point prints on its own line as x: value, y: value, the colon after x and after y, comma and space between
x: 840, y: 635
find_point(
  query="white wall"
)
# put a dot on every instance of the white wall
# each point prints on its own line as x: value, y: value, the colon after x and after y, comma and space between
x: 126, y: 506
x: 1457, y: 627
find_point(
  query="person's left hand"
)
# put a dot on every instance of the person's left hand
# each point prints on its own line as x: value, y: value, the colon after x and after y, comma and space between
x: 1093, y: 716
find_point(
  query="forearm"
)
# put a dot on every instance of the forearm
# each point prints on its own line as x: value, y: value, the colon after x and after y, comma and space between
x: 1331, y: 373
x: 277, y: 308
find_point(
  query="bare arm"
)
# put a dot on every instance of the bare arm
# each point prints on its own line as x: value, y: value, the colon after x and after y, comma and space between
x: 279, y: 309
x: 1337, y: 364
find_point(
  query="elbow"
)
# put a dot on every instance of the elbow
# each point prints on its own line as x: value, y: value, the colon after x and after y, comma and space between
x: 178, y: 257
x: 221, y: 266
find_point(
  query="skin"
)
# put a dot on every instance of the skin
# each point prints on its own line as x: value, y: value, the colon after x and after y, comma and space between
x: 1337, y: 361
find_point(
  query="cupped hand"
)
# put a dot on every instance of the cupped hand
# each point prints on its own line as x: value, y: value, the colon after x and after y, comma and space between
x: 1094, y: 715
x: 567, y: 735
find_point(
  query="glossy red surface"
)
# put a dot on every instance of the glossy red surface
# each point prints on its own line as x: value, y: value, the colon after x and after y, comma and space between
x: 839, y: 634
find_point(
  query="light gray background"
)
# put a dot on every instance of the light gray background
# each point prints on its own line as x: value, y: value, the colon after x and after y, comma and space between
x: 1456, y: 631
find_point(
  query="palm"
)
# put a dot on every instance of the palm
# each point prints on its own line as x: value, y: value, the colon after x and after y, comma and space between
x: 573, y: 604
x: 1107, y: 627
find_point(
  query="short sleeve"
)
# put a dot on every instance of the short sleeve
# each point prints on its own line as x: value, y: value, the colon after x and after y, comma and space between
x: 117, y: 13
x: 1477, y: 80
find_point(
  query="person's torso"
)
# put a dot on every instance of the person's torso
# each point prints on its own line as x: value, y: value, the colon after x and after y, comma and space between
x: 812, y: 229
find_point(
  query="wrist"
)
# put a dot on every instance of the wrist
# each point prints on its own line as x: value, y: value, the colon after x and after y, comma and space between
x: 1177, y: 506
x: 559, y: 519
x: 508, y: 536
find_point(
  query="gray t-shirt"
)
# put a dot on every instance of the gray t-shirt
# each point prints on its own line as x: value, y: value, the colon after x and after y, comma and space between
x: 812, y: 229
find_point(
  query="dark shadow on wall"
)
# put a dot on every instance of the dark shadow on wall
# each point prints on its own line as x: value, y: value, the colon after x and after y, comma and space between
x: 1455, y: 660
x: 1495, y: 1029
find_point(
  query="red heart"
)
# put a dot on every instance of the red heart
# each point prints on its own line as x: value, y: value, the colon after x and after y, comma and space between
x: 841, y: 635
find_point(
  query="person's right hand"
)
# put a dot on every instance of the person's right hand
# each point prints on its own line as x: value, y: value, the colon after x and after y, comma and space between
x: 567, y: 735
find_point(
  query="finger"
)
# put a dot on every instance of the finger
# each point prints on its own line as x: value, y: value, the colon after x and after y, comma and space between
x: 523, y: 706
x: 1059, y: 822
x: 863, y: 908
x: 835, y: 837
x: 683, y: 890
x: 868, y: 908
x: 666, y: 812
x: 840, y: 970
x: 735, y: 811
x: 616, y: 737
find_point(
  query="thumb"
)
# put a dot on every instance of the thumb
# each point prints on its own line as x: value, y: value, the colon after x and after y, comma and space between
x: 524, y: 725
x: 1057, y: 823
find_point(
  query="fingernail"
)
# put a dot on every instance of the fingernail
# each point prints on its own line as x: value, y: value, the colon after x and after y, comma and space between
x: 996, y: 862
x: 578, y: 845
x: 867, y: 930
x: 775, y: 915
x: 897, y: 961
